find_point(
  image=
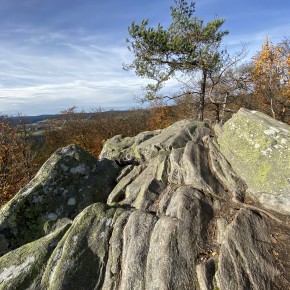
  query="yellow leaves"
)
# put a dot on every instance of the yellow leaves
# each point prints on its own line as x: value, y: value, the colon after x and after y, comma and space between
x: 265, y: 63
x: 271, y: 74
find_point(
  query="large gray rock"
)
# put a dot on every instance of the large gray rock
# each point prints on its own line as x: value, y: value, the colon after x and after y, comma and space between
x: 246, y: 260
x: 147, y: 145
x: 79, y: 260
x: 70, y: 180
x: 258, y: 148
x: 23, y: 268
x: 170, y: 215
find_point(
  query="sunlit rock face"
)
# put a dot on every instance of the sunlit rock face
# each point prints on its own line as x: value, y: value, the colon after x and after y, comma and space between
x: 170, y: 209
x: 258, y: 148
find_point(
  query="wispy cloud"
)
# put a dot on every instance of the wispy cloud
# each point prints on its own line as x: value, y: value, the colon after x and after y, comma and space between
x: 78, y: 72
x: 254, y: 39
x: 98, y: 93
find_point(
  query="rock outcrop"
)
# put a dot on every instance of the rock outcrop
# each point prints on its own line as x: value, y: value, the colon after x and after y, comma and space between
x: 258, y: 148
x: 177, y: 208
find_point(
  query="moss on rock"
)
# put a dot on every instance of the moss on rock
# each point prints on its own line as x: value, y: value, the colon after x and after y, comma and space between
x: 70, y: 180
x: 258, y: 148
x: 23, y: 267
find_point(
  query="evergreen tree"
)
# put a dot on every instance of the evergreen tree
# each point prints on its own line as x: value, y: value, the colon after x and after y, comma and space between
x: 188, y: 46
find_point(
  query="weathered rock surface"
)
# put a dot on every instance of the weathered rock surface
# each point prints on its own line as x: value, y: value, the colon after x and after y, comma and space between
x: 258, y: 148
x: 162, y: 210
x: 245, y: 260
x: 67, y: 183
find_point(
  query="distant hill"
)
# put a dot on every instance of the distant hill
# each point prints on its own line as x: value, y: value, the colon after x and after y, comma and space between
x: 39, y: 118
x: 34, y: 119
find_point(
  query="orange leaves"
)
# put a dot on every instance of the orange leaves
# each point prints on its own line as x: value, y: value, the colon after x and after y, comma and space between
x: 7, y: 160
x: 89, y: 130
x: 15, y: 160
x: 160, y: 118
x: 266, y: 67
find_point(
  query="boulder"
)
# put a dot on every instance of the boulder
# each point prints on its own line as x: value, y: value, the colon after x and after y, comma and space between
x: 258, y: 149
x: 70, y: 180
x: 147, y: 145
x: 23, y: 268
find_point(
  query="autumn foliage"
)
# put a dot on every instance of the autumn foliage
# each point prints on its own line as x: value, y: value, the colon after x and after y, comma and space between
x: 16, y: 160
x: 7, y: 158
x: 90, y: 130
x: 160, y: 117
x: 270, y: 76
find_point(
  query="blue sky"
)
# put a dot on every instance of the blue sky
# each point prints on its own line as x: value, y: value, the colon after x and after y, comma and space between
x: 55, y: 54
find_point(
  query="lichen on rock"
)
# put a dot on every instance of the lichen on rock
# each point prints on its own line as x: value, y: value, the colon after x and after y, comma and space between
x: 23, y: 268
x: 258, y: 148
x: 70, y: 180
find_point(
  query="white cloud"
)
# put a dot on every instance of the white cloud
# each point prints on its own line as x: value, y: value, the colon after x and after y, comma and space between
x: 82, y: 93
x: 255, y: 39
x: 37, y: 79
x: 56, y: 72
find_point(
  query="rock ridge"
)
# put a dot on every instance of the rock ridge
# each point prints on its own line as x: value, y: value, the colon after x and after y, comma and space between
x: 167, y: 209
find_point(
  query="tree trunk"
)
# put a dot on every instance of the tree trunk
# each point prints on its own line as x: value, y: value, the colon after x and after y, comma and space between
x: 284, y: 110
x: 217, y: 111
x: 224, y: 107
x: 272, y: 108
x: 202, y: 97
